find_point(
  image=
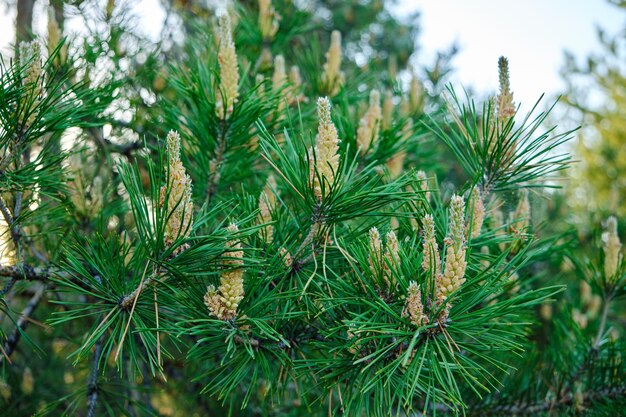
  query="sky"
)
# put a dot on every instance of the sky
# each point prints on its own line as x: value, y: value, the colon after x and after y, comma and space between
x: 532, y: 33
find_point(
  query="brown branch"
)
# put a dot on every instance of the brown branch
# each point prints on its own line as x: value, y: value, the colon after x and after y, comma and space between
x: 25, y: 272
x: 14, y: 338
x: 92, y: 387
x: 24, y: 21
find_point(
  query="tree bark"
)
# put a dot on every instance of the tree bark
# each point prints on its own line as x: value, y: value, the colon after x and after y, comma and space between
x: 24, y: 21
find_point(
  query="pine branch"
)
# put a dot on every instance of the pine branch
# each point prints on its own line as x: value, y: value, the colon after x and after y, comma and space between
x: 214, y: 176
x: 9, y: 218
x: 587, y: 398
x: 298, y: 257
x: 303, y: 337
x: 92, y: 387
x: 25, y: 272
x: 605, y: 312
x: 129, y: 299
x: 15, y: 337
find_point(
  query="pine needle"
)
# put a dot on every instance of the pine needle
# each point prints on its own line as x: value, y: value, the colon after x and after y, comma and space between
x: 132, y: 311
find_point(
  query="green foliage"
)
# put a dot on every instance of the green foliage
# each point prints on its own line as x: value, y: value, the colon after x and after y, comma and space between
x: 595, y: 97
x: 274, y: 267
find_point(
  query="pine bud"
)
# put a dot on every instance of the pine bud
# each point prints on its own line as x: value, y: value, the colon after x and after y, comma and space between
x: 177, y: 193
x: 414, y: 309
x: 268, y: 20
x: 505, y: 104
x: 295, y: 79
x: 478, y: 212
x: 612, y: 247
x: 585, y: 292
x: 545, y: 311
x: 326, y: 148
x: 212, y: 302
x: 396, y: 163
x: 30, y: 56
x: 287, y: 259
x: 229, y: 69
x: 54, y: 35
x: 455, y: 263
x: 593, y: 306
x: 224, y: 301
x: 265, y: 59
x: 405, y: 107
x: 580, y: 318
x: 416, y: 96
x: 392, y: 251
x: 456, y: 221
x: 454, y: 272
x: 267, y: 203
x: 423, y: 180
x: 333, y: 77
x: 294, y: 76
x: 376, y: 251
x: 431, y: 261
x: 387, y: 261
x: 369, y: 125
x: 279, y: 81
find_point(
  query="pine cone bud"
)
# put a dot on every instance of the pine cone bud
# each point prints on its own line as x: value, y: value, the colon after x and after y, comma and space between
x: 229, y: 68
x: 612, y: 247
x: 369, y: 125
x: 176, y: 193
x: 326, y: 149
x: 333, y: 78
x: 267, y: 203
x: 223, y: 302
x: 414, y: 309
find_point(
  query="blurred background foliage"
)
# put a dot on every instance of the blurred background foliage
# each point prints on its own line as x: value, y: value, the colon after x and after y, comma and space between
x: 137, y: 73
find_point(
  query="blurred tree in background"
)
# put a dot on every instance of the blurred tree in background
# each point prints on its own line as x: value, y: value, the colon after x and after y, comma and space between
x: 267, y: 210
x: 596, y: 96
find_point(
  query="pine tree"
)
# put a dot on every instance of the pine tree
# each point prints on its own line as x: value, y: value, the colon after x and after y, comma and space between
x: 599, y: 144
x: 265, y: 233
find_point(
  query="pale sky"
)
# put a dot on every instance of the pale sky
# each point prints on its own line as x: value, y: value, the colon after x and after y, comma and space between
x: 531, y: 33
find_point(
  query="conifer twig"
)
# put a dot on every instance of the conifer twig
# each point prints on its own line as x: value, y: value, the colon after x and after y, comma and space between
x: 220, y: 150
x: 605, y: 313
x: 132, y: 310
x: 25, y: 272
x: 92, y: 387
x: 14, y: 338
